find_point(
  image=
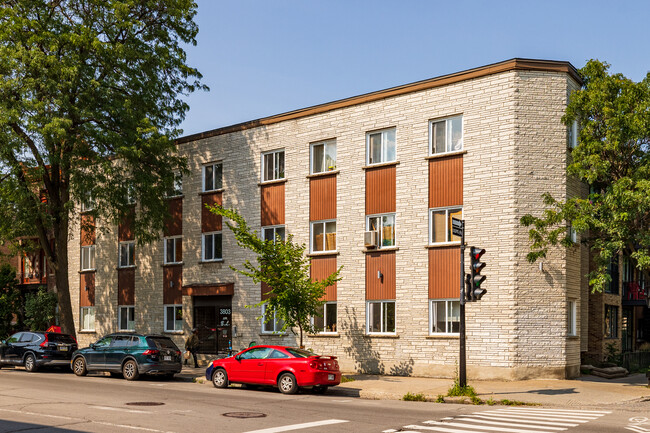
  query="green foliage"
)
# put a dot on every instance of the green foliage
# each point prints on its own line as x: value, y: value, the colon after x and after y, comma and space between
x: 612, y: 157
x: 440, y: 398
x: 612, y: 354
x: 283, y: 266
x: 414, y: 397
x: 40, y: 310
x: 346, y: 379
x: 490, y: 402
x: 9, y: 300
x: 461, y: 391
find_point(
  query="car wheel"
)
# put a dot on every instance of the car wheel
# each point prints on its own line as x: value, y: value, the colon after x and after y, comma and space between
x: 130, y: 370
x: 287, y: 384
x: 79, y: 366
x: 319, y: 389
x: 30, y: 363
x: 220, y: 378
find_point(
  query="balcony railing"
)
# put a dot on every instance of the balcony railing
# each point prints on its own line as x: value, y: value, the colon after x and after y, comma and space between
x: 634, y: 294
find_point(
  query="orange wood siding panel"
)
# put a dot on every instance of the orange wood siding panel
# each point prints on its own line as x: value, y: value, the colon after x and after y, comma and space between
x: 125, y: 229
x: 380, y: 288
x: 265, y: 294
x: 321, y: 268
x: 272, y: 204
x: 210, y: 222
x: 87, y: 230
x: 227, y: 289
x: 322, y: 198
x: 444, y: 273
x: 126, y: 286
x: 174, y: 224
x: 173, y: 274
x: 446, y: 181
x: 87, y: 297
x: 380, y: 190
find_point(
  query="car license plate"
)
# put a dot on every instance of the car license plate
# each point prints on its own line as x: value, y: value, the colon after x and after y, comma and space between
x: 63, y: 348
x: 167, y: 358
x: 330, y: 377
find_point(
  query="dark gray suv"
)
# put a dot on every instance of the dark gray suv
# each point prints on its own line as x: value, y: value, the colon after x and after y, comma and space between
x: 37, y: 349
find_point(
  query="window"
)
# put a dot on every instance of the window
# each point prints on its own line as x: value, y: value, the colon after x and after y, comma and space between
x: 211, y: 246
x: 213, y: 176
x: 573, y: 134
x: 87, y: 202
x: 270, y: 323
x: 612, y: 270
x: 571, y: 318
x: 126, y: 318
x: 440, y: 224
x: 326, y: 320
x: 173, y: 249
x: 323, y: 236
x: 444, y: 316
x: 384, y: 225
x: 273, y: 233
x: 446, y: 135
x: 573, y: 235
x: 88, y: 258
x: 87, y: 318
x: 127, y: 254
x: 380, y: 146
x: 173, y: 318
x: 177, y: 186
x: 323, y: 156
x: 381, y: 317
x: 273, y: 165
x: 611, y: 321
x: 256, y: 353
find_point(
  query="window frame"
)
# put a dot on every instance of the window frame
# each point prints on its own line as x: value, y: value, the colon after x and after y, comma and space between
x: 87, y: 203
x: 447, y: 228
x: 276, y: 330
x: 203, y: 251
x: 91, y: 255
x: 383, y: 138
x: 382, y: 320
x: 214, y: 179
x: 177, y: 186
x: 166, y: 315
x: 572, y: 319
x: 274, y: 228
x: 446, y: 119
x: 87, y: 309
x: 448, y: 322
x: 175, y: 238
x: 311, y: 236
x: 325, y: 331
x: 275, y: 169
x: 572, y: 132
x: 380, y: 240
x: 613, y: 325
x: 325, y: 144
x: 119, y: 254
x: 130, y: 311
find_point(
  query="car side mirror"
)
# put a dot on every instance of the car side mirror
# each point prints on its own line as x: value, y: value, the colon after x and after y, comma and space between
x: 93, y: 346
x: 238, y: 357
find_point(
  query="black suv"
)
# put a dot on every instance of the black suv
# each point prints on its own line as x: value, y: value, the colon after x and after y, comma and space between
x: 129, y: 354
x: 36, y: 349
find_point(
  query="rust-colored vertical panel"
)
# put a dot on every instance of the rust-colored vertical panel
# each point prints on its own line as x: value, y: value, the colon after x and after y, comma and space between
x: 446, y: 181
x: 125, y: 228
x: 126, y: 286
x: 380, y: 190
x: 174, y: 224
x: 266, y: 292
x: 444, y: 272
x: 321, y: 268
x: 172, y: 292
x: 87, y: 297
x: 210, y: 222
x: 380, y: 287
x: 272, y: 204
x: 87, y: 230
x: 322, y: 198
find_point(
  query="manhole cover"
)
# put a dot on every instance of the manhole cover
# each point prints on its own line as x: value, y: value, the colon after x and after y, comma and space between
x: 244, y: 414
x: 145, y: 403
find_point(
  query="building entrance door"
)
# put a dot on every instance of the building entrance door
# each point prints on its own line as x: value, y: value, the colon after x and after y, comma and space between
x: 213, y: 320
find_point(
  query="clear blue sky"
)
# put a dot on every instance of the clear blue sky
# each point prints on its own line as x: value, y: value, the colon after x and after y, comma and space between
x: 266, y: 57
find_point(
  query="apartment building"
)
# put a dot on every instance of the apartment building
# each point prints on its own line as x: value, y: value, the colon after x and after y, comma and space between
x: 369, y: 183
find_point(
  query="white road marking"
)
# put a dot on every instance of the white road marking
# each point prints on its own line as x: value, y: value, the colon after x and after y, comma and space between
x: 341, y: 401
x: 564, y: 415
x: 466, y: 418
x: 637, y: 429
x: 460, y: 424
x: 520, y: 419
x: 299, y: 426
x: 541, y: 419
x: 541, y: 410
x: 132, y: 427
x: 22, y: 412
x: 119, y: 409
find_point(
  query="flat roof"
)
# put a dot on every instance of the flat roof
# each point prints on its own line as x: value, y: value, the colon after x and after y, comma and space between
x: 515, y: 64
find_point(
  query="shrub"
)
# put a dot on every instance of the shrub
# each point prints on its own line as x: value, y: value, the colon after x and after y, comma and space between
x: 461, y: 391
x: 40, y: 310
x: 414, y: 397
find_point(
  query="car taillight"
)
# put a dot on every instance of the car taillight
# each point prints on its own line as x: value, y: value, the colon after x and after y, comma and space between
x: 178, y: 353
x: 313, y: 365
x: 150, y: 352
x: 44, y: 343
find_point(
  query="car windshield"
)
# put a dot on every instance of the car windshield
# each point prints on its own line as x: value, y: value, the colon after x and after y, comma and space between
x: 161, y: 343
x: 300, y: 353
x: 60, y: 338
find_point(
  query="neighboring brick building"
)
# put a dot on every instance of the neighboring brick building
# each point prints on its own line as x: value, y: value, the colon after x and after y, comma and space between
x: 484, y: 144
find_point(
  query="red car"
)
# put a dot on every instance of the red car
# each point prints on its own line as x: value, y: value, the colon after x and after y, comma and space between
x: 288, y: 368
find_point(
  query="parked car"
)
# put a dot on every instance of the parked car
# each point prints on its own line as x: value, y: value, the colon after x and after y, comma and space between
x: 288, y: 368
x: 37, y: 349
x: 129, y: 354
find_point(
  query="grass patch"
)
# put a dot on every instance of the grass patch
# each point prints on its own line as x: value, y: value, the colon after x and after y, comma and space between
x: 197, y: 380
x: 440, y: 398
x: 346, y: 379
x: 461, y: 391
x: 507, y: 402
x: 414, y: 397
x: 490, y: 402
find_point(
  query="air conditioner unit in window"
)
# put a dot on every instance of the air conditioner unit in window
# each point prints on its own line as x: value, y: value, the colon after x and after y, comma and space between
x: 370, y: 239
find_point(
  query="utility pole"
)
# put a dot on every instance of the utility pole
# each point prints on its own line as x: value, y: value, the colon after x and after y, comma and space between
x: 458, y: 229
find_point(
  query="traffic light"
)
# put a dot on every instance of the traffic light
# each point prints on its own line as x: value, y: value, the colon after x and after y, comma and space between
x: 475, y: 291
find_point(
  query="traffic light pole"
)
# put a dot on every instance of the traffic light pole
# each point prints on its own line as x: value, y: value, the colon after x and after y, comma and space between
x: 462, y: 376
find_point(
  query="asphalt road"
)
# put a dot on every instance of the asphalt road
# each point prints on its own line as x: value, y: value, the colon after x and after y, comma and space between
x: 61, y: 402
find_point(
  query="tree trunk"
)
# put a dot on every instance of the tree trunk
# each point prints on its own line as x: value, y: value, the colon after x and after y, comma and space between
x: 61, y: 278
x: 300, y: 327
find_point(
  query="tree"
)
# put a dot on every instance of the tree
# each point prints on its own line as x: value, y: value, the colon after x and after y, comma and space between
x: 40, y: 309
x: 284, y: 268
x: 10, y: 304
x: 612, y: 157
x: 89, y: 108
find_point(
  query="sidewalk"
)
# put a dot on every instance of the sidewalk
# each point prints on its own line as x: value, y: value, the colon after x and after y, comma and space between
x: 585, y: 391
